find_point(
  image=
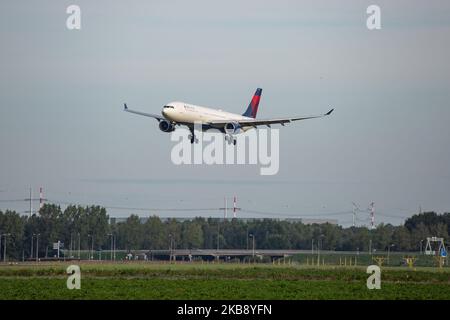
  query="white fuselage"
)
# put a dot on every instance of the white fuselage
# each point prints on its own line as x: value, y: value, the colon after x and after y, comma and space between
x: 182, y: 112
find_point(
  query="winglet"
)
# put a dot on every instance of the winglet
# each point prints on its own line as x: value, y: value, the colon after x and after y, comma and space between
x: 329, y: 112
x: 125, y: 106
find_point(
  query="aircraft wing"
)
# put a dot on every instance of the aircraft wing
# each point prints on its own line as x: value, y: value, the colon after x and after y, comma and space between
x: 151, y: 115
x: 267, y: 122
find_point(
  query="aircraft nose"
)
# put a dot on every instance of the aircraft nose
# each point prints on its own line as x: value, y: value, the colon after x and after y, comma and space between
x: 167, y: 111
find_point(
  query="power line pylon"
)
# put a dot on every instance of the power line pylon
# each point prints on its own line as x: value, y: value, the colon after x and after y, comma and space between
x: 372, y: 215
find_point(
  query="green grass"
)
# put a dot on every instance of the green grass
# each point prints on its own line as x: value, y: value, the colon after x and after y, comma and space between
x: 219, y: 281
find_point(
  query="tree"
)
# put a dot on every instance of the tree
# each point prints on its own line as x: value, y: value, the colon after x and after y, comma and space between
x: 401, y: 238
x: 52, y: 225
x: 153, y: 233
x: 419, y: 235
x: 98, y: 222
x: 130, y: 233
x: 191, y: 235
x: 173, y: 233
x: 49, y: 227
x: 382, y: 236
x: 427, y: 218
x: 439, y: 230
x: 12, y: 225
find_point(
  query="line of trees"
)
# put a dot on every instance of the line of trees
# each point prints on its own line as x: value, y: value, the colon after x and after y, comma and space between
x: 87, y: 227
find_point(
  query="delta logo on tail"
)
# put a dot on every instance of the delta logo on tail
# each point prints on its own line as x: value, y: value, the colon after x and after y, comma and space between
x: 253, y: 106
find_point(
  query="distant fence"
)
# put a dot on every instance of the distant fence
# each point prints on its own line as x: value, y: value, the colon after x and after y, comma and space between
x: 304, y: 257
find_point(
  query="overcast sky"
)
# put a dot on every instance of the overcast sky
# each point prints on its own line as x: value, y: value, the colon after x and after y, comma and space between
x: 61, y: 93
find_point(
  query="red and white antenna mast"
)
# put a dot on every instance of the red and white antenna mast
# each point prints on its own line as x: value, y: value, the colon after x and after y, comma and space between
x: 31, y: 199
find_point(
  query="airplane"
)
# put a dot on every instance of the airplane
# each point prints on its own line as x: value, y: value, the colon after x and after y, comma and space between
x: 180, y: 113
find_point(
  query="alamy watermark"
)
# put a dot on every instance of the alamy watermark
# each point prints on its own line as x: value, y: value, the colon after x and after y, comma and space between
x: 74, y: 279
x: 253, y: 147
x: 73, y: 21
x: 374, y: 280
x: 373, y: 21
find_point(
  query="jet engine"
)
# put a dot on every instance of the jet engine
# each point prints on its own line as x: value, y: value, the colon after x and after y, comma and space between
x: 166, y: 126
x: 232, y: 128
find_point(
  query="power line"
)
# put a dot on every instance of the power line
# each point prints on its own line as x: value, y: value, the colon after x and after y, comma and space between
x: 392, y: 216
x: 272, y: 213
x: 135, y: 208
x: 296, y: 214
x: 205, y: 209
x: 244, y: 210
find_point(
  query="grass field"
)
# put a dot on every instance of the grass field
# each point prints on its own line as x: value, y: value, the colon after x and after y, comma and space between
x: 219, y: 281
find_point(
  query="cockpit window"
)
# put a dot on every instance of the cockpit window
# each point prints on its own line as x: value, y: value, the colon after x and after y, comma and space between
x: 170, y: 107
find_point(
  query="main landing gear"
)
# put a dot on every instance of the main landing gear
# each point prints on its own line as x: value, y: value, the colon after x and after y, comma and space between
x: 230, y: 139
x: 192, y: 137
